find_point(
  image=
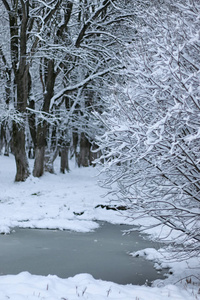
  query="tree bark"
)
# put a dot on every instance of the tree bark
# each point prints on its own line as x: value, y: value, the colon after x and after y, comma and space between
x: 84, y: 154
x: 32, y: 123
x: 50, y: 157
x: 40, y: 150
x: 64, y: 160
x: 4, y: 138
x: 42, y: 129
x: 18, y: 138
x: 20, y: 153
x: 20, y: 68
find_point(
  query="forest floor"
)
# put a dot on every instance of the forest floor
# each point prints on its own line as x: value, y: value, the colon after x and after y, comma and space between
x: 74, y: 201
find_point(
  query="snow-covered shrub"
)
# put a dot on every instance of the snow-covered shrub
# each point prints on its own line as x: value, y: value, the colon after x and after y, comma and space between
x: 151, y: 148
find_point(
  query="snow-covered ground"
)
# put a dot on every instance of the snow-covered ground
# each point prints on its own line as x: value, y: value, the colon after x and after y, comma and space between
x: 69, y: 202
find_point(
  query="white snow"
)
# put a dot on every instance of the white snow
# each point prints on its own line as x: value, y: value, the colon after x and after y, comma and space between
x: 68, y: 202
x: 82, y: 286
x: 53, y: 201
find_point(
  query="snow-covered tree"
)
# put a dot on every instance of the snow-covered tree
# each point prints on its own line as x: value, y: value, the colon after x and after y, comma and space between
x: 5, y: 87
x: 151, y: 144
x: 17, y: 21
x: 56, y: 53
x: 82, y: 48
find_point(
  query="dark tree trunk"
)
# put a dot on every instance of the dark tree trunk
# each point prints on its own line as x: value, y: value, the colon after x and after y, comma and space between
x: 32, y: 128
x: 42, y: 128
x: 82, y: 150
x: 18, y: 138
x: 20, y: 67
x: 4, y: 138
x: 94, y: 153
x: 50, y: 157
x: 84, y: 154
x: 20, y: 153
x: 39, y: 162
x: 75, y: 147
x: 64, y: 159
x: 5, y: 127
x: 52, y: 151
x: 32, y: 123
x: 40, y: 150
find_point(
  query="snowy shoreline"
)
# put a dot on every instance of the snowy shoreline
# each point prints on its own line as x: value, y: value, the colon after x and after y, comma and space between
x: 68, y: 202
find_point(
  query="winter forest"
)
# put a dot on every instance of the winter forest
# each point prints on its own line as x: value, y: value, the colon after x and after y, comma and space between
x: 114, y: 84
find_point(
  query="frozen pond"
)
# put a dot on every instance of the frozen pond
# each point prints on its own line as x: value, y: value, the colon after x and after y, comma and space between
x: 103, y: 254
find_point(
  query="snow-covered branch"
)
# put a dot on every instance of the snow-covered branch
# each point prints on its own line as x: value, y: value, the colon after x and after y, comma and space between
x: 151, y: 143
x: 79, y: 85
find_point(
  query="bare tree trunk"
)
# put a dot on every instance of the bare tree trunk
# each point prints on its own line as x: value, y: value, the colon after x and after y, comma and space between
x: 50, y: 77
x: 52, y: 149
x: 39, y: 162
x: 20, y: 153
x: 18, y: 138
x: 5, y: 132
x: 18, y: 46
x: 75, y: 138
x: 84, y: 154
x: 40, y: 150
x: 94, y: 154
x: 50, y: 157
x: 64, y: 162
x: 32, y: 123
x: 4, y: 138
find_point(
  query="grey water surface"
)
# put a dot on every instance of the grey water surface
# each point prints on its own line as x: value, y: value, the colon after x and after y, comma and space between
x: 104, y: 254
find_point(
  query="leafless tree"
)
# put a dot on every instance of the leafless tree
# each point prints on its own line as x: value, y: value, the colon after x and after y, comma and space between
x: 151, y: 145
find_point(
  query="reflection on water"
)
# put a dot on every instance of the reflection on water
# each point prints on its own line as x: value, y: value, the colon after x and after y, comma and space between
x: 103, y: 254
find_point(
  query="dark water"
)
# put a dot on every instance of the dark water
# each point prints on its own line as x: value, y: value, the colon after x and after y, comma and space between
x: 103, y: 254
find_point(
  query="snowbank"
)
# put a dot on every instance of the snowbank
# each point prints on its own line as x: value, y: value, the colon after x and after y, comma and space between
x: 82, y: 286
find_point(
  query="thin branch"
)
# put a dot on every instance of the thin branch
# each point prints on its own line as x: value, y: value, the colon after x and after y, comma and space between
x: 89, y: 22
x: 80, y: 84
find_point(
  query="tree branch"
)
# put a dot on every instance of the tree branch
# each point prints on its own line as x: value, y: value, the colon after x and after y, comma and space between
x: 89, y: 22
x: 6, y: 5
x: 79, y: 85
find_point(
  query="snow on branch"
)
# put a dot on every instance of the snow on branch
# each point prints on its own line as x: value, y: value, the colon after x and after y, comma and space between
x: 79, y: 85
x: 89, y: 22
x: 150, y: 147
